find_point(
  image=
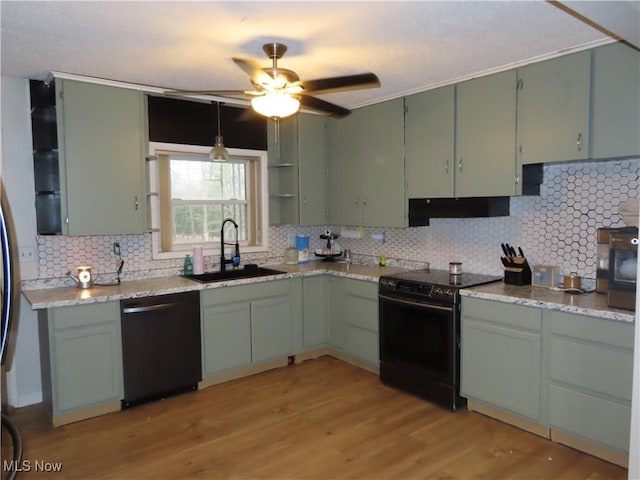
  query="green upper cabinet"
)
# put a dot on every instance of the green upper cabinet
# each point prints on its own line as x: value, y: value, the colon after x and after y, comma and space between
x: 452, y: 150
x: 485, y: 136
x: 615, y: 107
x: 553, y: 109
x: 102, y: 141
x: 345, y: 182
x: 313, y: 170
x: 429, y: 143
x: 366, y: 165
x: 297, y: 171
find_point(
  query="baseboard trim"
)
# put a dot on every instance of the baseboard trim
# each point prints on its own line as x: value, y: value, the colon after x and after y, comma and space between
x: 353, y: 361
x: 312, y: 354
x: 590, y: 448
x: 282, y: 362
x: 242, y: 372
x: 77, y: 415
x: 549, y: 433
x: 512, y: 419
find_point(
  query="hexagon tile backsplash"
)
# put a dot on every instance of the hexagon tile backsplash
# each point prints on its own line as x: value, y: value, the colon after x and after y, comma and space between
x: 557, y: 227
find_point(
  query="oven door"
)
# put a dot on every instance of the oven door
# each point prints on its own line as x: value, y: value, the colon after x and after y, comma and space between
x: 419, y: 339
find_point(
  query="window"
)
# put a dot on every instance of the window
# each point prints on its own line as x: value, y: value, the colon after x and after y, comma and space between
x: 192, y: 196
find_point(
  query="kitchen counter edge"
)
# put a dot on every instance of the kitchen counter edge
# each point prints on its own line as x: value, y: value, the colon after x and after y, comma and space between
x: 591, y: 304
x: 71, y: 296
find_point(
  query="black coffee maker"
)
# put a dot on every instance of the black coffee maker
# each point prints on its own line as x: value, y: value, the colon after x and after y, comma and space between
x: 623, y: 265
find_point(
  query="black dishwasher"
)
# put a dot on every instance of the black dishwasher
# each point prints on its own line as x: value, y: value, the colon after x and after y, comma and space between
x: 160, y: 346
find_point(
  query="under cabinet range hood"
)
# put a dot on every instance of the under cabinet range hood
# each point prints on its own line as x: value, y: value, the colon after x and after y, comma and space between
x: 422, y: 209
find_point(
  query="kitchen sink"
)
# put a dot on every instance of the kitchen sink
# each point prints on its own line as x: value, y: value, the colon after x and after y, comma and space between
x: 250, y: 272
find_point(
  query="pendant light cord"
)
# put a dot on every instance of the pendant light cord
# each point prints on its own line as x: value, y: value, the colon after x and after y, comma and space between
x: 218, y: 105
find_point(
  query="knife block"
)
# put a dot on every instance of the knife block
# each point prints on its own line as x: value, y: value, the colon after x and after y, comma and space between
x: 518, y: 274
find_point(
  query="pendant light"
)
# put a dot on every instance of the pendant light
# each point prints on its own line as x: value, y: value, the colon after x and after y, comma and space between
x: 218, y: 152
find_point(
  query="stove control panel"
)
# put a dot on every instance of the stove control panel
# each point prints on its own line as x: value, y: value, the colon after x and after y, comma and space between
x: 419, y: 291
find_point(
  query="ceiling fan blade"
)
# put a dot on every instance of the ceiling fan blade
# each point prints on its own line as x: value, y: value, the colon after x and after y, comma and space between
x: 251, y: 68
x: 323, y: 106
x: 348, y: 82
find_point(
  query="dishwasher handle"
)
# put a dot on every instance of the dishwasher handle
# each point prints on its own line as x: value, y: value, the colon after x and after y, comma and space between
x: 150, y: 308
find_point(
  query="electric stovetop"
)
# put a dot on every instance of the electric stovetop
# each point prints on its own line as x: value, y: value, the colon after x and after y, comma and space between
x: 429, y: 276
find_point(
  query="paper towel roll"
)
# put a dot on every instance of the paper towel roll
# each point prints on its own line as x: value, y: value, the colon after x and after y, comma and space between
x: 198, y: 261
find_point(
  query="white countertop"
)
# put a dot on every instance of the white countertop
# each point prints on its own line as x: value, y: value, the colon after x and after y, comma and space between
x: 594, y: 304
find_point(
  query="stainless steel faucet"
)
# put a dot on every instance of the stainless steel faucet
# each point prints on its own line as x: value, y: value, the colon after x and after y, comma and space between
x: 224, y: 261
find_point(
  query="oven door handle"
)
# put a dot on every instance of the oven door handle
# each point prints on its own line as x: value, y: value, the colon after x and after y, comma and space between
x: 415, y: 304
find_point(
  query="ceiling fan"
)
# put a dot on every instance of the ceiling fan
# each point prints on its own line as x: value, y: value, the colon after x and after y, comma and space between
x: 279, y: 92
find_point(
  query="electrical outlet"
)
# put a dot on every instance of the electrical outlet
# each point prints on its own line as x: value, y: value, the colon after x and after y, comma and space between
x: 27, y: 254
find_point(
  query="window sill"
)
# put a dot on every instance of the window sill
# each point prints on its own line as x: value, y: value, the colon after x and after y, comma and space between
x: 208, y: 252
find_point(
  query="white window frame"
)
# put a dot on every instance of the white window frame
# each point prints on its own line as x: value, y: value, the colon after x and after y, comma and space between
x: 154, y: 200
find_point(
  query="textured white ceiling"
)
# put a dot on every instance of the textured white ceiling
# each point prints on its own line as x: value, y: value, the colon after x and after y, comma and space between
x: 411, y: 46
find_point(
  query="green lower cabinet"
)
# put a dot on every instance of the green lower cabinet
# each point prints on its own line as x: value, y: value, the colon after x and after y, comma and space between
x: 362, y: 345
x: 336, y: 298
x: 270, y: 328
x: 226, y: 337
x: 361, y: 321
x: 83, y: 352
x: 567, y: 372
x: 590, y: 417
x: 501, y: 355
x: 247, y: 324
x: 314, y: 329
x: 590, y: 378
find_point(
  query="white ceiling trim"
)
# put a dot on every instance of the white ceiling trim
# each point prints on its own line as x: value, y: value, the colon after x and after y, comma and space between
x: 233, y: 101
x: 490, y: 71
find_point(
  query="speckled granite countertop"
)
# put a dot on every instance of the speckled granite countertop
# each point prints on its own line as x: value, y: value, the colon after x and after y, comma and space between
x: 588, y: 304
x: 68, y: 296
x: 594, y: 304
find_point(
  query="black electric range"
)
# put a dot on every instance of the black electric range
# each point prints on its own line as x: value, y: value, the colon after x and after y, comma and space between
x: 419, y: 332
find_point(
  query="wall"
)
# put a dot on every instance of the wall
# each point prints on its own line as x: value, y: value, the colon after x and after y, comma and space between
x: 558, y: 227
x: 22, y: 370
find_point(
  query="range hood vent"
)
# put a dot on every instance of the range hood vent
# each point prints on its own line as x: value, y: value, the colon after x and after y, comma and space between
x: 422, y: 209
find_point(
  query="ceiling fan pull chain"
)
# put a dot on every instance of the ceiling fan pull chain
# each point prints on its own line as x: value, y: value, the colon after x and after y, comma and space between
x: 277, y: 120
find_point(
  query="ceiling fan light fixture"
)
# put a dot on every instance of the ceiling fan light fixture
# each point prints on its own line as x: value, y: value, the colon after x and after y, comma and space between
x: 275, y: 105
x: 218, y: 152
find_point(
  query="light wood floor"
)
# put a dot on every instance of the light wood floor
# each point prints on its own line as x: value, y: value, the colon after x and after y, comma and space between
x: 322, y: 419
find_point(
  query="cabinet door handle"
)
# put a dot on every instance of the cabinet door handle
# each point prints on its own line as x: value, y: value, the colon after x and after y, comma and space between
x: 517, y: 179
x: 304, y: 201
x: 357, y: 201
x: 446, y: 166
x: 364, y: 201
x: 460, y: 164
x: 579, y: 142
x: 137, y: 203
